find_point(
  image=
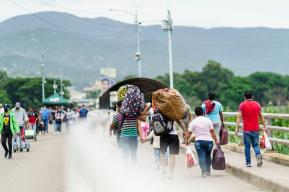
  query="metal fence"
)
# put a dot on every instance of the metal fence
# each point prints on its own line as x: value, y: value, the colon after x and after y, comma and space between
x: 268, y: 117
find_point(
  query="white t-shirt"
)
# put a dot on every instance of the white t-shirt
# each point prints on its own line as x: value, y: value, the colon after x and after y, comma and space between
x: 201, y: 127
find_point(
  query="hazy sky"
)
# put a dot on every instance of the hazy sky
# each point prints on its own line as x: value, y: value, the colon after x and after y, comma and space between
x: 204, y: 13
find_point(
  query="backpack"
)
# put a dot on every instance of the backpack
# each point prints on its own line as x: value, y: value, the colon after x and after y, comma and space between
x: 210, y: 105
x: 133, y: 103
x: 160, y: 124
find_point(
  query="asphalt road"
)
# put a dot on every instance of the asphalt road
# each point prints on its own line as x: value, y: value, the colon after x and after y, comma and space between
x: 40, y: 170
x: 84, y: 161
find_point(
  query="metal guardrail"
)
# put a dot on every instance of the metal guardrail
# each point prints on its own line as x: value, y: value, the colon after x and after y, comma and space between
x: 268, y: 117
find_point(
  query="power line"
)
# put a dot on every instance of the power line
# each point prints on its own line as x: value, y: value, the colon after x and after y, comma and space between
x: 60, y: 28
x: 90, y: 20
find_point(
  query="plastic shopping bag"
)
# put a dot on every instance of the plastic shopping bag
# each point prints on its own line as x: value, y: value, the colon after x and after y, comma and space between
x: 265, y: 142
x: 190, y: 158
x: 268, y: 145
x: 262, y: 142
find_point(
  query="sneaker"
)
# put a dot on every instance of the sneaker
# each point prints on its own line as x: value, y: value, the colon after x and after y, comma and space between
x: 204, y: 174
x: 248, y: 165
x: 259, y: 161
x: 10, y: 156
x: 208, y: 173
x: 6, y: 155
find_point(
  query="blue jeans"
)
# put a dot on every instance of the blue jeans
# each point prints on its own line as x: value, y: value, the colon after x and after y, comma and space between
x: 204, y: 150
x: 58, y: 127
x: 45, y: 125
x: 157, y: 152
x: 129, y: 149
x: 251, y: 138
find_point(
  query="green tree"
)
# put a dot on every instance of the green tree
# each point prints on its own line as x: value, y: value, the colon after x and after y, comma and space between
x: 233, y: 94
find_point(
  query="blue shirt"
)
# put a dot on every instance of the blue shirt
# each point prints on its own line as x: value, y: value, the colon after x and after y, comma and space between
x: 83, y: 113
x: 45, y: 113
x: 215, y: 114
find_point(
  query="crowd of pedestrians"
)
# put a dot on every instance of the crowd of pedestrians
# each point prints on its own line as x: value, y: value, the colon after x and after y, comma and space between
x: 203, y: 127
x: 14, y: 122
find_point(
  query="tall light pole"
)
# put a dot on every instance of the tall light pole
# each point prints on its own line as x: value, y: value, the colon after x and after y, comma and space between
x: 61, y: 84
x: 138, y: 31
x: 167, y: 25
x: 43, y: 77
x: 54, y: 86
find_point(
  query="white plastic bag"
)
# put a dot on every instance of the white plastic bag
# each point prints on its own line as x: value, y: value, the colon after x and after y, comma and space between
x: 190, y: 159
x: 268, y: 145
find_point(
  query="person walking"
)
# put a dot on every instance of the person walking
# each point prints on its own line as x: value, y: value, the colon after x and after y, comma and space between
x: 70, y: 118
x: 214, y: 111
x: 83, y: 112
x: 21, y: 118
x: 45, y: 115
x: 59, y: 116
x: 203, y: 130
x: 170, y: 141
x: 8, y: 128
x: 250, y: 112
x: 115, y: 127
x: 32, y: 119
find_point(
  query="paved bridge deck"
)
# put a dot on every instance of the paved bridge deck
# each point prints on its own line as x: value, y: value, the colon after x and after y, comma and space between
x: 83, y: 161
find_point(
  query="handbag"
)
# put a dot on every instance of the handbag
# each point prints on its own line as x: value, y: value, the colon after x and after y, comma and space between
x: 224, y: 136
x: 218, y: 161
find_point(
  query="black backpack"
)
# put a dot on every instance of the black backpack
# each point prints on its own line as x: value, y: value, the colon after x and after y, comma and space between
x: 160, y: 124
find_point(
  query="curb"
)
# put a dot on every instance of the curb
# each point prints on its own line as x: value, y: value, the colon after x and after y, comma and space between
x: 278, y: 158
x: 264, y: 184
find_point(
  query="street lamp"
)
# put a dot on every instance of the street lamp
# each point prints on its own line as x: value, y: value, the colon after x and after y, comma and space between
x: 138, y: 54
x: 43, y: 77
x: 54, y: 86
x: 167, y: 26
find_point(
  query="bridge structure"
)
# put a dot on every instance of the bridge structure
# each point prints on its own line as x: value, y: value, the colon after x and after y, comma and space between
x: 86, y: 159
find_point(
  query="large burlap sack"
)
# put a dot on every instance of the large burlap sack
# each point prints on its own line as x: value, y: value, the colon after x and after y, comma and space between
x: 170, y: 103
x: 133, y: 103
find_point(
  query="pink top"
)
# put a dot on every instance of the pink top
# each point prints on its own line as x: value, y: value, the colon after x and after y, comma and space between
x: 201, y: 127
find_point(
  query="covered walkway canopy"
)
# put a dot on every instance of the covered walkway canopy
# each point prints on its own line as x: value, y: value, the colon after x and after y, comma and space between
x: 146, y: 85
x: 55, y: 99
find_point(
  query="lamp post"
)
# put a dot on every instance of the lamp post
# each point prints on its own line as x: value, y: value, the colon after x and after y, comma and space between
x: 61, y: 84
x: 43, y: 77
x: 167, y: 26
x: 138, y: 54
x: 54, y: 86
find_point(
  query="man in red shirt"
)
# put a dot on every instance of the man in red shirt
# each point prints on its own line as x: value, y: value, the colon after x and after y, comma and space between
x: 32, y: 119
x: 250, y: 112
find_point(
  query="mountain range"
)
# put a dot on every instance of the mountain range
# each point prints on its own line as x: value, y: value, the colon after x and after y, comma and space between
x: 80, y: 47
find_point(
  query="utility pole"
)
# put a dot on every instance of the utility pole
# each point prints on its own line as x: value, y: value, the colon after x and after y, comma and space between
x: 54, y: 86
x: 138, y: 31
x: 138, y: 55
x: 167, y: 25
x: 61, y: 85
x: 43, y: 77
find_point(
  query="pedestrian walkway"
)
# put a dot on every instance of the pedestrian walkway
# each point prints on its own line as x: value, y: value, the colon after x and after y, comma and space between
x: 95, y: 166
x: 271, y: 176
x: 40, y: 170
